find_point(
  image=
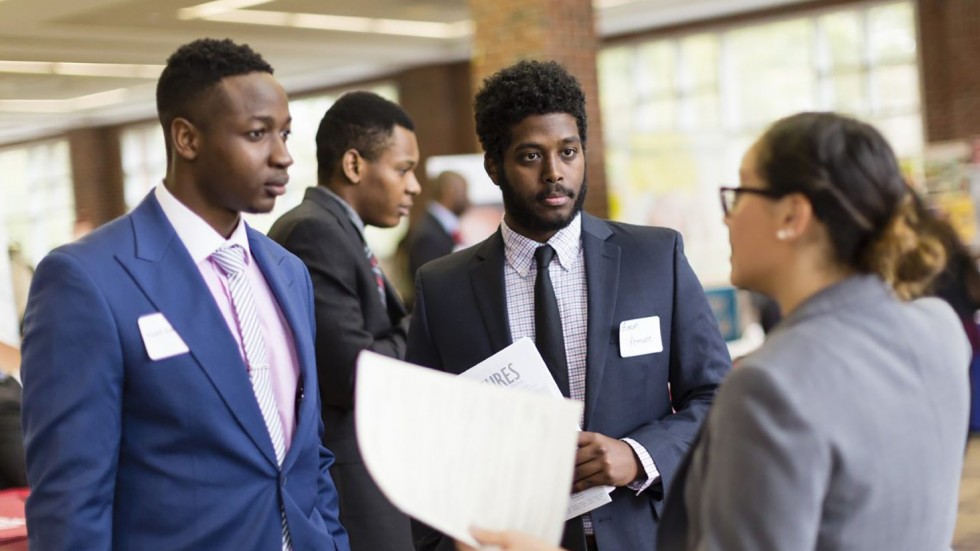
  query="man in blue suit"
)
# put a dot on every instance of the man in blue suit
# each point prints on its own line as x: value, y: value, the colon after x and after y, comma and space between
x: 170, y: 394
x: 615, y: 309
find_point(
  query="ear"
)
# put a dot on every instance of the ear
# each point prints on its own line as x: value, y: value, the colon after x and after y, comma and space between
x: 491, y: 167
x: 353, y: 165
x: 795, y: 217
x: 186, y: 138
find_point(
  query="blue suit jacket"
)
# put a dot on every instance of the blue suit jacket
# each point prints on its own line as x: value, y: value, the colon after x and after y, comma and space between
x: 128, y: 453
x: 631, y: 272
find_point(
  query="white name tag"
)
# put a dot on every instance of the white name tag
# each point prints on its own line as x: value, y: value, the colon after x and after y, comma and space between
x: 159, y: 337
x: 640, y: 336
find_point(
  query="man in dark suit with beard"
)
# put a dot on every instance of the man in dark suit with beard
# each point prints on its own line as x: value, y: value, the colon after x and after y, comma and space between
x: 615, y: 309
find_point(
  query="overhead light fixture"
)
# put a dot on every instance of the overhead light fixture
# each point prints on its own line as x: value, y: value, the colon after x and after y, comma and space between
x: 80, y: 103
x: 117, y: 70
x: 602, y: 4
x: 399, y: 27
x: 203, y: 11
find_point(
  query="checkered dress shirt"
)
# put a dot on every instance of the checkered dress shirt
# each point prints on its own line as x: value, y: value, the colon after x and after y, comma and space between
x: 571, y: 292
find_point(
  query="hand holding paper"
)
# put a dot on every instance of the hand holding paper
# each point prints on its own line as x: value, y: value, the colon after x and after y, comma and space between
x: 509, y: 465
x: 520, y: 366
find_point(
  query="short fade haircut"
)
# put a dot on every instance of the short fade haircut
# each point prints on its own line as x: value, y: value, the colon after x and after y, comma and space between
x: 360, y: 120
x: 519, y: 91
x: 194, y: 69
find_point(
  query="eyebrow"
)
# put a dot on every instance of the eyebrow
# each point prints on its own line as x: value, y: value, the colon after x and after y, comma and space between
x: 268, y: 119
x: 565, y: 141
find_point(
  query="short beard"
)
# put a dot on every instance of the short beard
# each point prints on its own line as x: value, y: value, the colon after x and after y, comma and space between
x: 525, y: 216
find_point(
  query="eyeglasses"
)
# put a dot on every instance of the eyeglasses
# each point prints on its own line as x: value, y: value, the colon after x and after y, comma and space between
x: 729, y: 196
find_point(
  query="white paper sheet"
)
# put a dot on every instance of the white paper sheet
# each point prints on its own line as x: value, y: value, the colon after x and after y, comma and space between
x: 520, y: 366
x: 454, y: 453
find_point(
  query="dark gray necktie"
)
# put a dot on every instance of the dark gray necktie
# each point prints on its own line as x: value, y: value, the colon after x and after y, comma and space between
x: 548, y: 335
x: 550, y: 341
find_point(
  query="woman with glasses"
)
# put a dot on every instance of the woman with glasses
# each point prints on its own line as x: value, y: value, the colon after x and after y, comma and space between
x: 845, y: 429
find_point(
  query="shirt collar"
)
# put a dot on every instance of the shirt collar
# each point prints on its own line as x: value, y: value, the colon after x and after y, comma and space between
x: 200, y: 239
x: 351, y: 213
x: 519, y: 250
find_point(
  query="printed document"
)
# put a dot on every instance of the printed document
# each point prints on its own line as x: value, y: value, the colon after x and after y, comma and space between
x: 456, y: 453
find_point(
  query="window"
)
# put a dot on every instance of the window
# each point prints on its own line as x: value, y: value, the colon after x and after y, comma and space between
x: 39, y: 204
x: 679, y: 112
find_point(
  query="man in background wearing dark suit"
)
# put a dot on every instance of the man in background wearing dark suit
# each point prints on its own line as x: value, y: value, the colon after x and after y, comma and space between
x: 366, y: 157
x: 437, y: 232
x: 615, y: 309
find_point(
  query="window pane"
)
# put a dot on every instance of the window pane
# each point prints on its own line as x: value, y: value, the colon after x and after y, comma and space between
x: 770, y: 82
x: 655, y: 115
x: 655, y: 70
x: 700, y: 55
x: 891, y: 33
x: 904, y: 133
x: 39, y: 213
x: 848, y: 94
x: 616, y: 91
x: 896, y: 89
x: 688, y: 108
x: 843, y: 34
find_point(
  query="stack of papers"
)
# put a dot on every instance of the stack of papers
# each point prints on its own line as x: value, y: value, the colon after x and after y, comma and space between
x: 493, y: 447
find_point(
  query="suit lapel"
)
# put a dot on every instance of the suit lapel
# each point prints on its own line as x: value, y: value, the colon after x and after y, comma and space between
x: 395, y: 306
x: 602, y: 278
x: 272, y: 263
x: 487, y: 278
x: 165, y: 272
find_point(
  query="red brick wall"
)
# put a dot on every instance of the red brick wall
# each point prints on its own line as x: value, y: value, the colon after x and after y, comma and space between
x: 949, y: 36
x: 508, y: 31
x: 97, y: 174
x: 439, y: 99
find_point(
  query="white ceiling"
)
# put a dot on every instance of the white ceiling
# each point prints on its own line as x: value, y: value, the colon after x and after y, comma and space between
x: 71, y: 63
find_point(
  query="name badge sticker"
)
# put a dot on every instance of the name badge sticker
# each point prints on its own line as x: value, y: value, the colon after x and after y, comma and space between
x: 640, y: 336
x: 159, y: 337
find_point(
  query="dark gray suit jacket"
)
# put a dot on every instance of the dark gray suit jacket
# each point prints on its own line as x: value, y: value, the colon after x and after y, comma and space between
x: 427, y: 241
x: 632, y: 272
x: 350, y: 317
x: 845, y: 431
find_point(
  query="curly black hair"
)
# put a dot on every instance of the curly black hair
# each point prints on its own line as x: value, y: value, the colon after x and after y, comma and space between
x: 519, y: 91
x: 358, y: 120
x: 194, y: 69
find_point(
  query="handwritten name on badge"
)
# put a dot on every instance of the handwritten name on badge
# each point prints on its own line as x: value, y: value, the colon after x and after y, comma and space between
x: 640, y: 336
x: 159, y: 337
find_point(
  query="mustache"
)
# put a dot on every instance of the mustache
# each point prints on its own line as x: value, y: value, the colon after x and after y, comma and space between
x: 554, y: 191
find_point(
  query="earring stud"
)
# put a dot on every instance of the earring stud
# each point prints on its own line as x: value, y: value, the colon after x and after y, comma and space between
x: 783, y: 235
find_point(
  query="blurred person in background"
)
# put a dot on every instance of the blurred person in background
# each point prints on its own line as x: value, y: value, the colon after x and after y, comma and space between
x: 959, y: 285
x: 437, y: 234
x: 367, y: 153
x: 13, y: 471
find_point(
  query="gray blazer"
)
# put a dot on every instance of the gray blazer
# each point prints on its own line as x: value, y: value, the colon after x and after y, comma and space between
x: 846, y: 430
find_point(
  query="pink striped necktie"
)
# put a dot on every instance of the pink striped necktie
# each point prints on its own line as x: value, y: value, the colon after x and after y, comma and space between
x: 231, y: 260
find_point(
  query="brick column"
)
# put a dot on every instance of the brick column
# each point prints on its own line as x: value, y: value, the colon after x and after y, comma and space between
x: 97, y: 174
x: 508, y: 31
x: 439, y: 99
x: 949, y: 38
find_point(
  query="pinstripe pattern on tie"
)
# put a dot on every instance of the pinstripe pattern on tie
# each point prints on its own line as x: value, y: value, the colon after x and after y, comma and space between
x: 231, y: 260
